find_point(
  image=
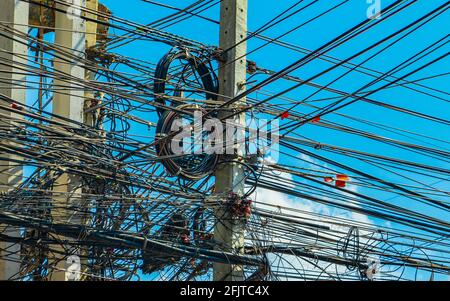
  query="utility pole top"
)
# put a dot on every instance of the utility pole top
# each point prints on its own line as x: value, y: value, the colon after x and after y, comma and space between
x: 229, y: 230
x: 14, y: 49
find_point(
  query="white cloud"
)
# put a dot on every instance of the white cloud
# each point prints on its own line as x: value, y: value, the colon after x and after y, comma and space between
x: 307, y: 210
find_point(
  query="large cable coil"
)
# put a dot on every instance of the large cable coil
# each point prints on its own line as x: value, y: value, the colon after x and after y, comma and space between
x: 177, y: 73
x: 179, y: 69
x: 190, y: 165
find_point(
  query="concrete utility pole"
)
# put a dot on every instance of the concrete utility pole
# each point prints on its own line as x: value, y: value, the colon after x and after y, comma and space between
x: 15, y: 15
x: 70, y: 35
x: 91, y: 41
x: 229, y: 230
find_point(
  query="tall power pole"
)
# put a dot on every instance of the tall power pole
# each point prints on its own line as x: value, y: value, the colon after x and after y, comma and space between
x: 13, y: 52
x: 70, y: 35
x: 91, y: 41
x: 229, y: 230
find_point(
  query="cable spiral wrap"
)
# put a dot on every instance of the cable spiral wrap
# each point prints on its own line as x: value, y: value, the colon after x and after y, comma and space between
x: 187, y: 166
x: 208, y: 78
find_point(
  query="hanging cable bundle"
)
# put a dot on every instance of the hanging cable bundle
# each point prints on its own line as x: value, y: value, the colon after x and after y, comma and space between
x: 172, y: 81
x: 194, y: 75
x: 188, y: 160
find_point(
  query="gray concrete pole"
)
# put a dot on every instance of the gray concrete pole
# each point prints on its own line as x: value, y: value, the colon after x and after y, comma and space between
x: 13, y: 13
x: 229, y: 230
x: 70, y: 35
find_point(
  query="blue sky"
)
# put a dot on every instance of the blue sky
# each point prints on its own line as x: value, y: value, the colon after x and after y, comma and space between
x: 311, y: 37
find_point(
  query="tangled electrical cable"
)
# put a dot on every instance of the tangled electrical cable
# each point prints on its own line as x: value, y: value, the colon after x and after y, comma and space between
x: 187, y: 163
x: 139, y: 207
x: 178, y: 157
x: 192, y: 65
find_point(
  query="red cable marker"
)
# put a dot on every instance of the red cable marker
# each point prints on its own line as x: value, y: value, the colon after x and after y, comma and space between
x: 285, y: 115
x: 328, y: 179
x: 185, y: 239
x: 341, y: 177
x: 315, y: 119
x: 339, y: 183
x: 16, y: 106
x: 341, y: 180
